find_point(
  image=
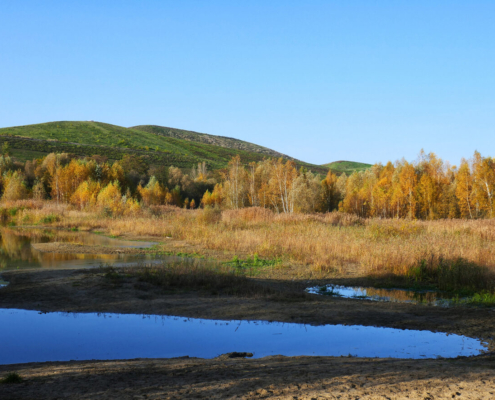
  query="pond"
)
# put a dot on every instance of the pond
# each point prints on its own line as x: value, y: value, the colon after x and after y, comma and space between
x: 392, y: 295
x: 31, y: 336
x: 17, y: 252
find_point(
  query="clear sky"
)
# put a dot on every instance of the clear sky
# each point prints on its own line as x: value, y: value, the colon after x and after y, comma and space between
x: 321, y: 81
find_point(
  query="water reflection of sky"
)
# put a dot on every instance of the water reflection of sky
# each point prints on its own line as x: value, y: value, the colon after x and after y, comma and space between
x: 16, y: 251
x: 393, y: 295
x: 30, y: 336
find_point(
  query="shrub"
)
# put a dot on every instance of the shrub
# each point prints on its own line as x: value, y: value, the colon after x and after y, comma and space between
x: 49, y: 219
x: 15, y: 188
x: 12, y: 377
x: 210, y: 215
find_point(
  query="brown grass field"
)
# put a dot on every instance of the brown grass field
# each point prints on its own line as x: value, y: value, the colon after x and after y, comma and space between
x: 447, y: 253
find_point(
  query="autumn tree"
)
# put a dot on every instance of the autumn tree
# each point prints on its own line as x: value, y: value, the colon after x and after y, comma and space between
x: 464, y: 190
x: 484, y: 182
x: 153, y: 193
x: 234, y: 186
x: 329, y: 192
x: 14, y: 187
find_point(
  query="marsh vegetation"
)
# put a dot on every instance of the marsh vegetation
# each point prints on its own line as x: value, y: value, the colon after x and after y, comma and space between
x: 456, y: 256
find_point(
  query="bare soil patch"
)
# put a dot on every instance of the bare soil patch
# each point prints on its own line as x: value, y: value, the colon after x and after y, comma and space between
x: 271, y: 377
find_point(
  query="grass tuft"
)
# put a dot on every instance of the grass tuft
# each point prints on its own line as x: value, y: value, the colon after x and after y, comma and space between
x: 12, y: 378
x: 457, y: 275
x: 49, y: 219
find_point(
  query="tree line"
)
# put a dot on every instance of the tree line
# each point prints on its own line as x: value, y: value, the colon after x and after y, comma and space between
x: 425, y: 189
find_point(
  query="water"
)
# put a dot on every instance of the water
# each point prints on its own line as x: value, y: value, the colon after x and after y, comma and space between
x: 393, y: 295
x: 17, y: 252
x: 30, y: 336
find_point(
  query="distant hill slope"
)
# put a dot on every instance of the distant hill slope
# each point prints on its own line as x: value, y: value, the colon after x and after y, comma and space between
x: 90, y: 138
x: 347, y: 166
x: 206, y: 138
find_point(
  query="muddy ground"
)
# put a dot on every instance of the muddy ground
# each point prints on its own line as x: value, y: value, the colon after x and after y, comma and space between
x: 277, y: 377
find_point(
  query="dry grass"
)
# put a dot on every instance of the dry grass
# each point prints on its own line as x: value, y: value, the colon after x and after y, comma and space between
x: 321, y: 244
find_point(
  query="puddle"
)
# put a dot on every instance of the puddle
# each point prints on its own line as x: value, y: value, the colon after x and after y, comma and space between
x: 17, y: 252
x: 31, y: 336
x: 392, y: 295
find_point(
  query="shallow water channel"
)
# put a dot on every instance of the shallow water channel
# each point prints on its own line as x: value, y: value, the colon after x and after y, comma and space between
x: 393, y: 295
x: 17, y: 252
x: 31, y: 336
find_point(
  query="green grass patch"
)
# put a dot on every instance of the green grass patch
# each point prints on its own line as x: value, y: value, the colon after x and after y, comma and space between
x: 347, y: 166
x: 49, y: 219
x: 12, y: 211
x: 252, y: 262
x: 157, y: 252
x: 482, y: 299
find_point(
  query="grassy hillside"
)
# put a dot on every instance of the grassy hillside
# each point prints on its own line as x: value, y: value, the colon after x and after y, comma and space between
x: 90, y: 138
x: 221, y: 141
x: 347, y: 166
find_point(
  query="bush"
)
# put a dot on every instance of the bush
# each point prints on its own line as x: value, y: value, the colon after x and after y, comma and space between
x: 210, y: 215
x: 12, y: 377
x: 336, y: 218
x: 49, y: 219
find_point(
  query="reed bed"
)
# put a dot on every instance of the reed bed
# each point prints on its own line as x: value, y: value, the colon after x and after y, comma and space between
x: 321, y: 244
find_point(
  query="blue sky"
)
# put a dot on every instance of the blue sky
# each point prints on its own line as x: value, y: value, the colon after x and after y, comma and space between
x: 321, y: 81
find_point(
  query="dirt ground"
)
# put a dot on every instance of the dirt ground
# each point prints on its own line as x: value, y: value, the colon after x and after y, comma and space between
x: 272, y: 377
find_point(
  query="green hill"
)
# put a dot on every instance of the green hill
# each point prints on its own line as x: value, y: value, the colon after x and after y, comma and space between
x: 221, y: 141
x: 159, y: 146
x: 347, y: 166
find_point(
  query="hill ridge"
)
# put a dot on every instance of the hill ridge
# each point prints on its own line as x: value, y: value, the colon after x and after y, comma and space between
x: 158, y: 145
x: 113, y: 141
x: 348, y: 167
x: 207, y: 138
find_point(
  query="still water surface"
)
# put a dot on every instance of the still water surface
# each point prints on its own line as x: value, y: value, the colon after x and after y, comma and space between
x: 30, y: 336
x: 392, y: 295
x: 16, y: 251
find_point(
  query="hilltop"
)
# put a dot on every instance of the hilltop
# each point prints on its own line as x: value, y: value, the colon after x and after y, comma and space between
x: 347, y: 166
x: 158, y: 145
